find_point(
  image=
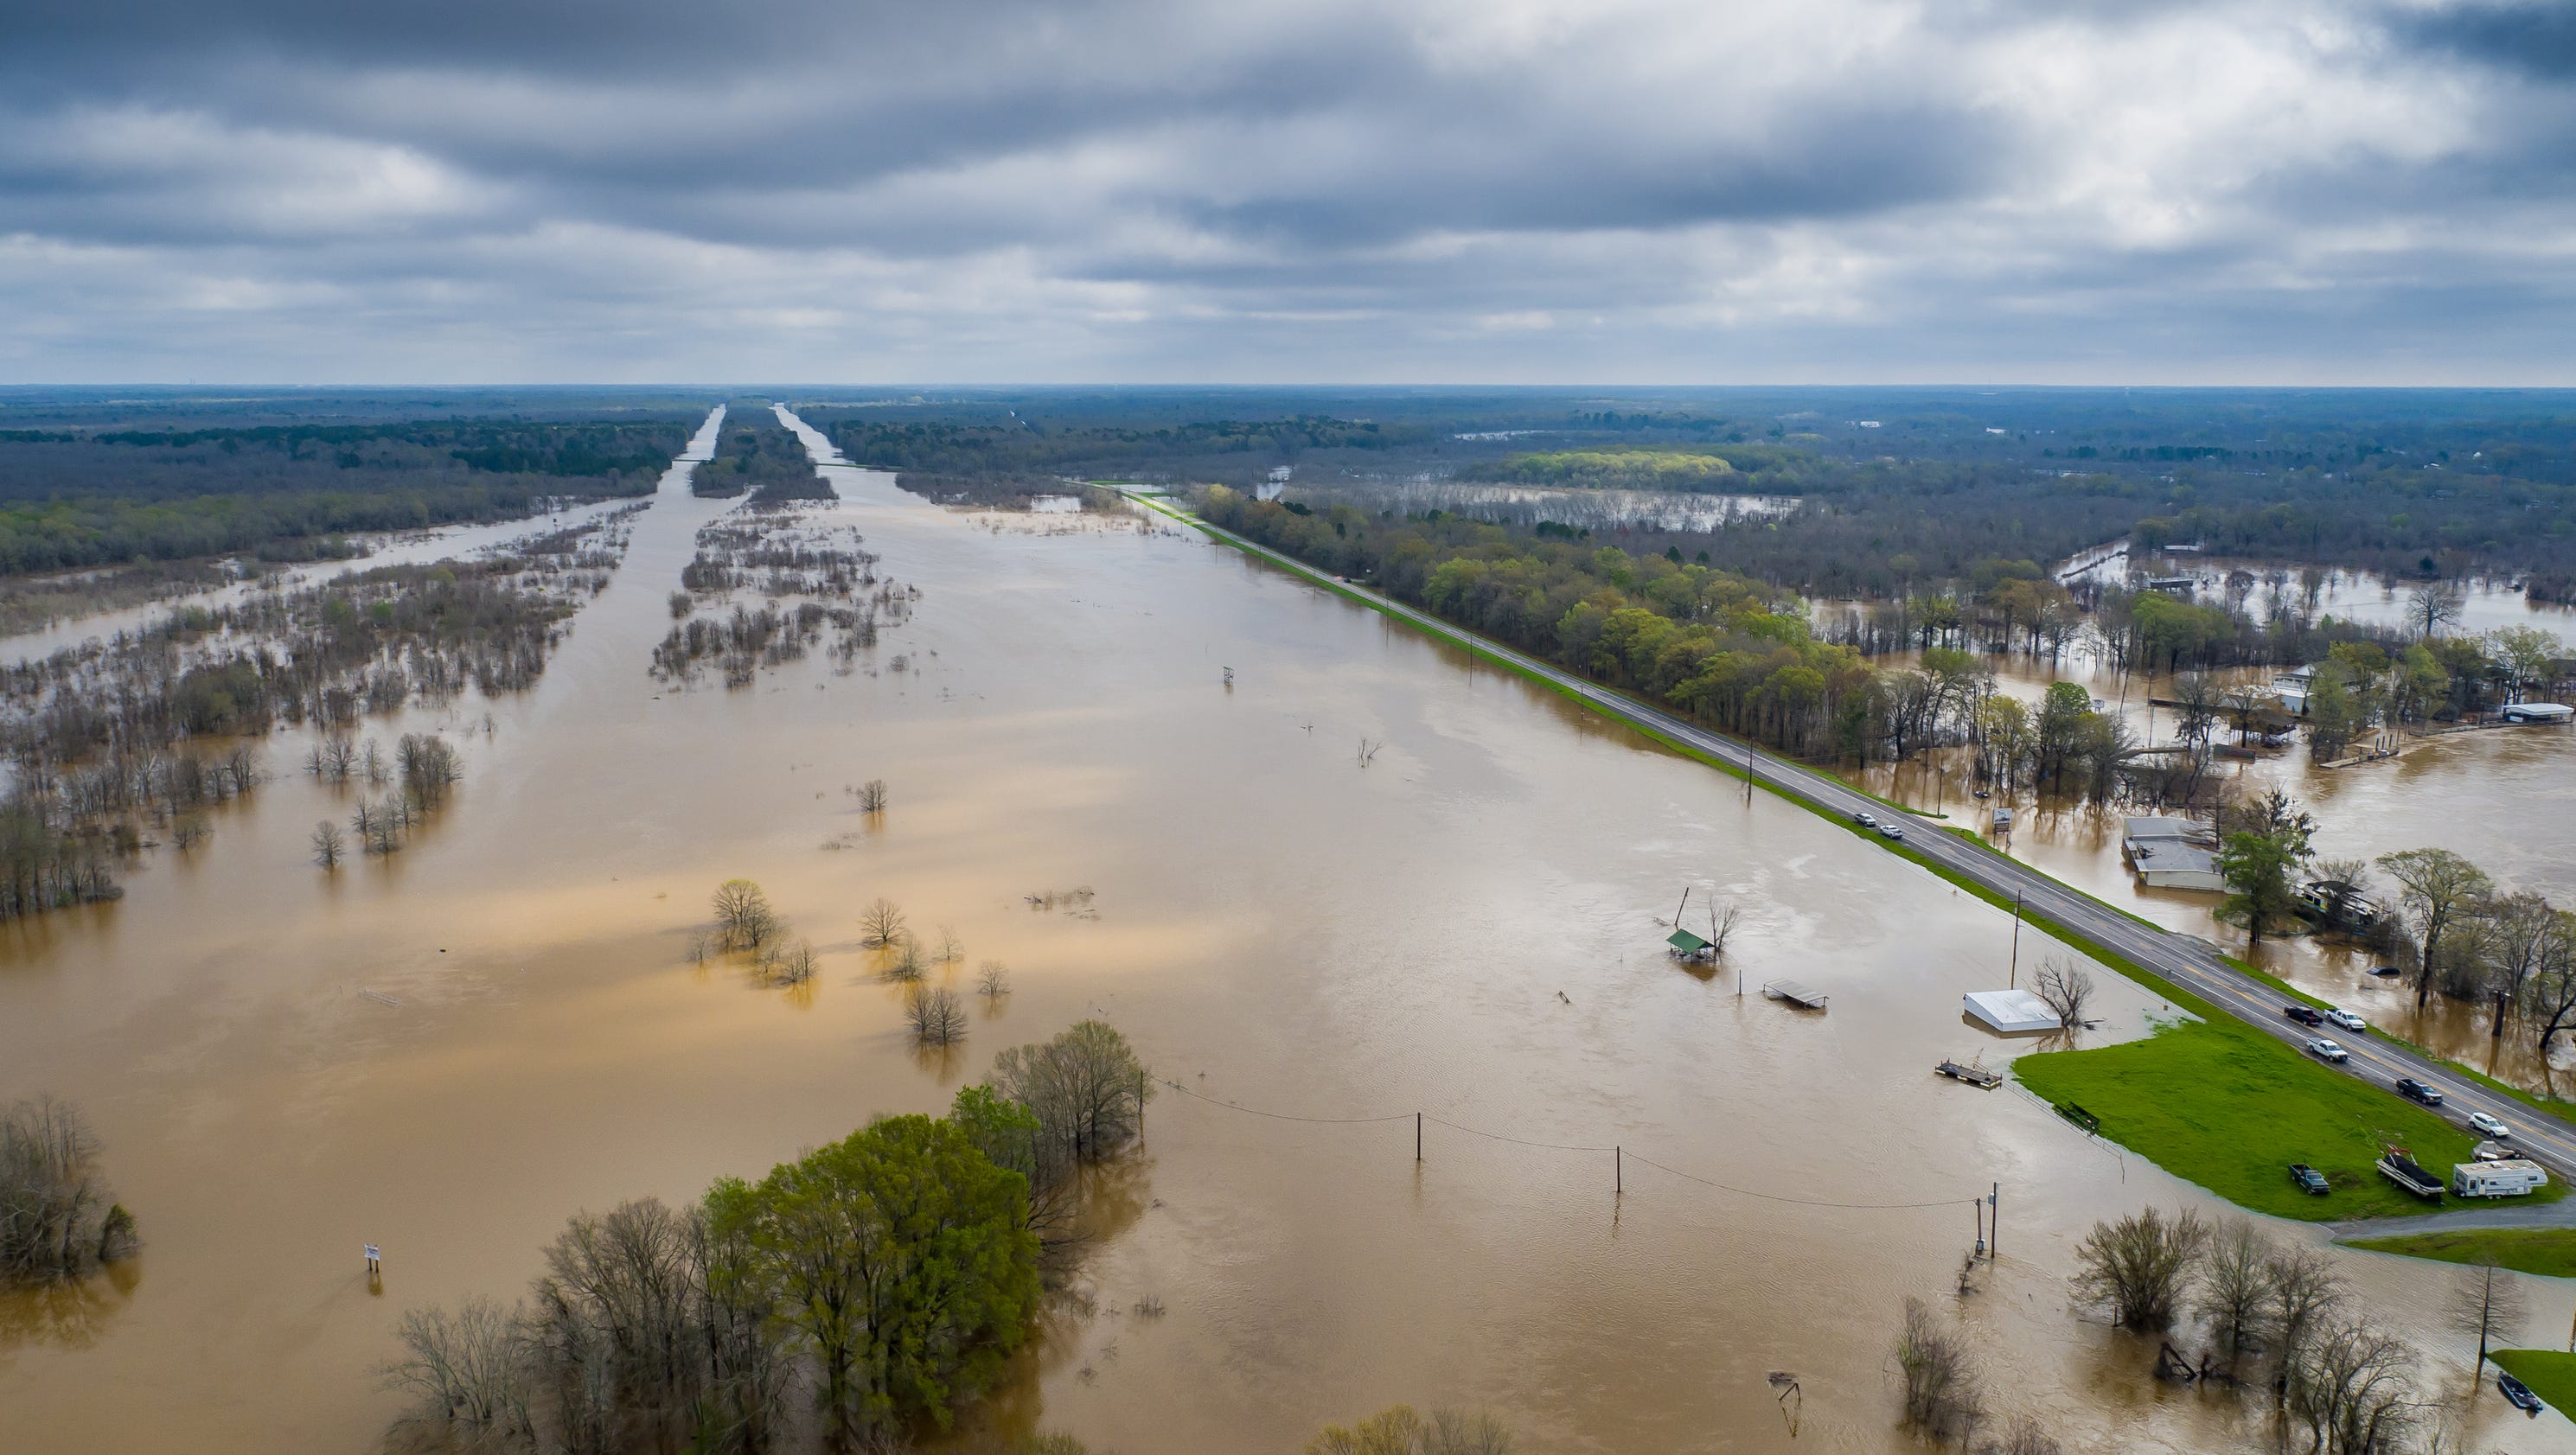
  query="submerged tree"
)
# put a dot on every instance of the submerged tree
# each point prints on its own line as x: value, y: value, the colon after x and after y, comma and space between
x: 57, y: 1217
x: 1086, y: 1087
x: 935, y: 1015
x: 2066, y: 989
x: 881, y: 923
x: 1398, y: 1430
x: 2486, y: 1303
x: 329, y: 845
x: 1943, y: 1396
x: 744, y: 919
x: 2141, y: 1266
x: 2441, y: 890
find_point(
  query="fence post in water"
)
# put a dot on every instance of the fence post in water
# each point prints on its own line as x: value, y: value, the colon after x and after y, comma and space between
x: 1619, y: 1171
x: 1417, y: 1136
x: 1995, y: 1221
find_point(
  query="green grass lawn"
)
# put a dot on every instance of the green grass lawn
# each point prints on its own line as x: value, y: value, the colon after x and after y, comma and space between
x: 2549, y: 1252
x: 2221, y: 1104
x: 2550, y: 1374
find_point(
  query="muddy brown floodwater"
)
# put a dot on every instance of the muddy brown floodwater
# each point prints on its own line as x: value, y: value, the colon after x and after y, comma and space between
x: 1468, y: 927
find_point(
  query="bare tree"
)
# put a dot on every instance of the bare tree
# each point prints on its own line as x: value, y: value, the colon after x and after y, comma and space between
x: 881, y: 924
x: 794, y: 964
x: 1369, y: 750
x: 949, y: 949
x: 188, y: 830
x: 467, y: 1371
x: 57, y: 1217
x: 2141, y: 1266
x: 2486, y: 1303
x: 2304, y: 1290
x: 2236, y: 1285
x: 328, y: 844
x: 2066, y: 988
x: 744, y: 919
x: 1723, y: 926
x: 2026, y: 1436
x: 2433, y: 606
x: 1086, y: 1087
x: 2441, y: 889
x: 1943, y: 1397
x: 872, y: 796
x: 2349, y: 1385
x: 1399, y: 1430
x: 993, y: 979
x: 907, y: 963
x: 936, y: 1016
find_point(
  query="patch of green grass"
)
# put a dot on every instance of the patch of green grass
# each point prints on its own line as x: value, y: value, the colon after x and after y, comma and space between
x: 2550, y: 1374
x: 2549, y: 1252
x: 2219, y: 1103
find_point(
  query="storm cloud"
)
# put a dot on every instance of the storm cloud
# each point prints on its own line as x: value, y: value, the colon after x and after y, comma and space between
x: 1452, y: 190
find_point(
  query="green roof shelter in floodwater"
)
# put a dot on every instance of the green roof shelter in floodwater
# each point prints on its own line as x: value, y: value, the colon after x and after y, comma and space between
x: 1686, y: 943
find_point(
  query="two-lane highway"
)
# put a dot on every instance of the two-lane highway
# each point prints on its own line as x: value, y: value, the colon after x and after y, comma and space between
x: 2190, y: 963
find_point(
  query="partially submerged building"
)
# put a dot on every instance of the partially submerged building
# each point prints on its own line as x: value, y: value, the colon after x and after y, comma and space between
x: 2011, y: 1012
x: 2170, y: 853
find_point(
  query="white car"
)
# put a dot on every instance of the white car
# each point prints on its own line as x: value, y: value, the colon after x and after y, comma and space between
x: 2325, y: 1050
x: 2347, y: 1020
x: 2489, y: 1125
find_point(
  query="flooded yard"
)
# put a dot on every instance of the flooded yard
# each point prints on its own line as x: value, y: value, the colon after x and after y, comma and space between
x: 1640, y: 1192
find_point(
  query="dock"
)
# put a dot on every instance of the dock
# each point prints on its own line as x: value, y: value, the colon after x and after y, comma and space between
x: 1805, y: 997
x: 1976, y: 1076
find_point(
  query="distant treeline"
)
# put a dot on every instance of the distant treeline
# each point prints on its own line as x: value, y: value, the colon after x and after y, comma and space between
x: 756, y: 453
x: 941, y: 448
x: 71, y: 501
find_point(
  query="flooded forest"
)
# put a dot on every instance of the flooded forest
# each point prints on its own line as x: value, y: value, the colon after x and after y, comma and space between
x: 1292, y: 987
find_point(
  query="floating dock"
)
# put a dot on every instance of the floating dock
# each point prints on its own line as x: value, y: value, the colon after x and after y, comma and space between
x: 1976, y: 1076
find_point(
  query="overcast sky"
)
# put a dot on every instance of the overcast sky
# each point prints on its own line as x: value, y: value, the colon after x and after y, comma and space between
x: 1634, y: 191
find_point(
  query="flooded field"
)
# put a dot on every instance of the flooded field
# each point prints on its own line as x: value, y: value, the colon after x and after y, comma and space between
x: 1527, y: 505
x: 447, y: 1052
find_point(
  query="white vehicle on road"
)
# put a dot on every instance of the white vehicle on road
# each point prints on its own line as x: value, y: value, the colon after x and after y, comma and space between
x: 2325, y: 1050
x: 2347, y: 1020
x: 2492, y: 1126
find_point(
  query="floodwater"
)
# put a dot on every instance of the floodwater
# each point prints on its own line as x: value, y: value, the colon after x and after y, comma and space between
x: 2364, y: 596
x: 2504, y: 797
x: 1468, y: 927
x: 1530, y: 504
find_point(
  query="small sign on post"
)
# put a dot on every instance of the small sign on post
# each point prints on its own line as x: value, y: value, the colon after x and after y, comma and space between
x: 375, y: 1259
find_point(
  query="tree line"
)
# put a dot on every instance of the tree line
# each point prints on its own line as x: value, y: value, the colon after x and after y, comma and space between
x: 58, y: 1219
x: 756, y: 454
x: 883, y: 1279
x: 72, y: 500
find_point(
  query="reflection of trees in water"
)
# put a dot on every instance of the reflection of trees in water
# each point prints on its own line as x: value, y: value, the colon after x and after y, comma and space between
x: 70, y: 1314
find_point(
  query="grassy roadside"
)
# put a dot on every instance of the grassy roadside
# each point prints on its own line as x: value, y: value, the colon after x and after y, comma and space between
x: 2549, y: 1252
x: 2165, y: 1096
x: 2223, y: 1105
x: 2550, y: 1374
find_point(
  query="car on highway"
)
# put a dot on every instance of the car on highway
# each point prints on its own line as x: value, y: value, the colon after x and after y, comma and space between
x: 2310, y: 1180
x: 2518, y: 1394
x: 2347, y: 1020
x: 2493, y: 1126
x: 2414, y: 1090
x: 2305, y: 1015
x: 1866, y: 820
x: 1892, y: 831
x: 2325, y: 1050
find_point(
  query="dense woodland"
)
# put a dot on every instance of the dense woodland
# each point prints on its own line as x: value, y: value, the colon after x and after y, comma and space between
x: 73, y: 498
x: 757, y: 455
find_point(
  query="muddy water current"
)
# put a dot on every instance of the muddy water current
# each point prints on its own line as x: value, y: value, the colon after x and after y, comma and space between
x: 447, y: 1052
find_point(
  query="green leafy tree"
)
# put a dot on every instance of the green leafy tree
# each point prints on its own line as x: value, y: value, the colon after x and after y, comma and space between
x: 899, y: 1257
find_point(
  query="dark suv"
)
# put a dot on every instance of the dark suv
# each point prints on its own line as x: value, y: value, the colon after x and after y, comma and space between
x: 2414, y: 1090
x: 2304, y: 1015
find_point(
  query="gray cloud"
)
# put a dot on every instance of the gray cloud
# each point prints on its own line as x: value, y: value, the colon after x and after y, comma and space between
x: 2268, y: 190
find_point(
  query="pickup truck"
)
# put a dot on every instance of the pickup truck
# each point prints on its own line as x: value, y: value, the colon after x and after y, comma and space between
x: 2304, y: 1015
x: 2414, y: 1090
x: 2309, y: 1179
x: 2325, y: 1050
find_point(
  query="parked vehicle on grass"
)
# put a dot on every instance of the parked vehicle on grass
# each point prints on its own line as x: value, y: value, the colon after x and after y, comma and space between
x: 2309, y: 1179
x: 2498, y: 1179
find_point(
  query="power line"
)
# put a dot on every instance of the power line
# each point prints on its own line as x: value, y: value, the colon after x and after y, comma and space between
x: 1567, y: 1147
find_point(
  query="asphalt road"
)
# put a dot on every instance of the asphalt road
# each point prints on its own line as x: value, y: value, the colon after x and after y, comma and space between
x: 2185, y: 960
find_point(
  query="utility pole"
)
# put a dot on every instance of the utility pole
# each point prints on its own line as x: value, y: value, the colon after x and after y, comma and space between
x: 1995, y: 1221
x: 1417, y: 1136
x: 2014, y: 983
x: 1619, y: 1171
